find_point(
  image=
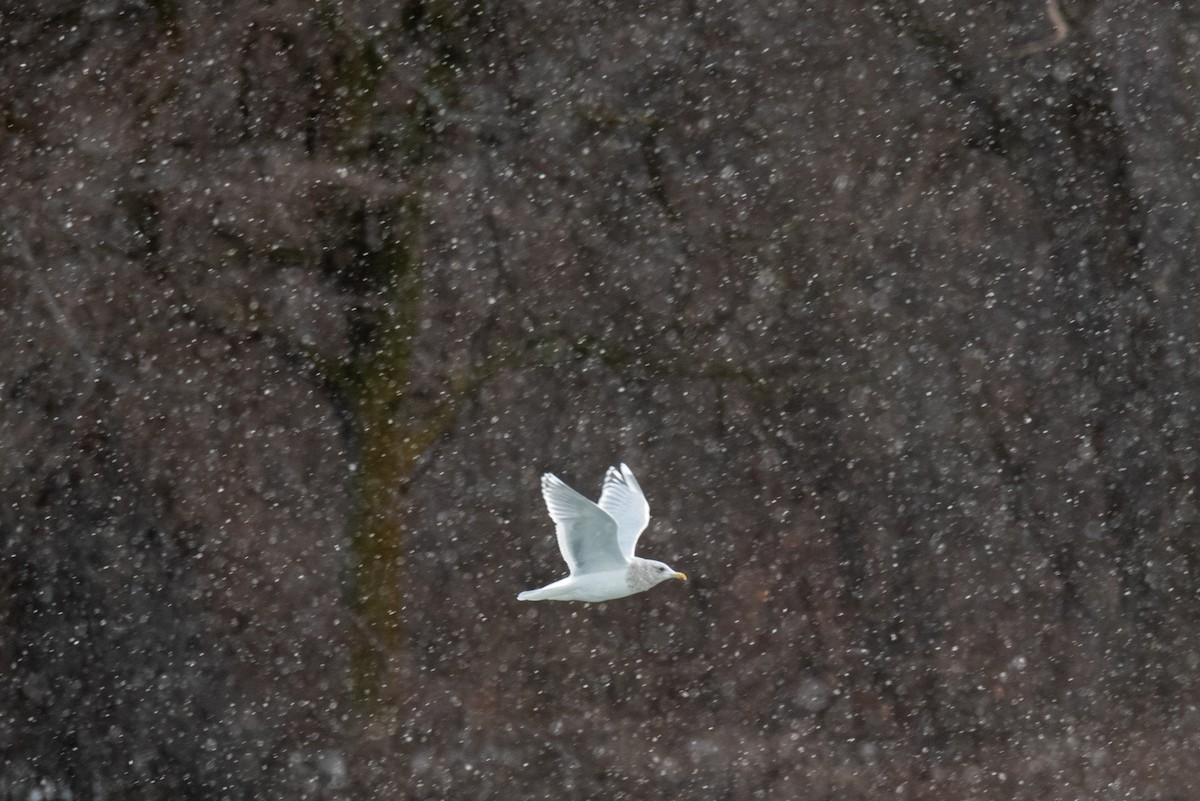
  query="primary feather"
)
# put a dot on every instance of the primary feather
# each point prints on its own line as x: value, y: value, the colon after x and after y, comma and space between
x: 587, y: 535
x: 623, y: 499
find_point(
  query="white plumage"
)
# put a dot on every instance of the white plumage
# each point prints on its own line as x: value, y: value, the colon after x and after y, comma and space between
x: 597, y: 541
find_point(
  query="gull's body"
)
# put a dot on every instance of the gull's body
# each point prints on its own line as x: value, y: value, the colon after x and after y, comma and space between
x: 597, y: 541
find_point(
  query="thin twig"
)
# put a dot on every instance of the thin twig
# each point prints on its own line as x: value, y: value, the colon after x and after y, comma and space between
x: 1061, y: 29
x: 60, y: 316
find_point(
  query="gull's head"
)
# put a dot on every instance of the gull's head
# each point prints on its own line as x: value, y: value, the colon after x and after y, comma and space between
x: 663, y: 572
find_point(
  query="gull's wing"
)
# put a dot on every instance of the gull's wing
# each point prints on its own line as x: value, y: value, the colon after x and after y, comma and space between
x: 587, y: 535
x: 623, y: 499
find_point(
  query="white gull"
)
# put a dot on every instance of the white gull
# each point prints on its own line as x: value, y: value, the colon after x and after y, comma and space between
x: 597, y: 541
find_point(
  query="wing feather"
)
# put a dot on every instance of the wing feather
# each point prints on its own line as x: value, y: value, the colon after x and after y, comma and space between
x: 623, y: 499
x: 587, y: 535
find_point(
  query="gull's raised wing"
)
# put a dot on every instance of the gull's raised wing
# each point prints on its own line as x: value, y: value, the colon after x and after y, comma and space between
x: 623, y: 499
x: 587, y: 535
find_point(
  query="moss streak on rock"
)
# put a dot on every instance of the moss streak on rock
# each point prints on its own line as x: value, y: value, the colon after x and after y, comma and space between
x: 393, y: 429
x: 389, y: 443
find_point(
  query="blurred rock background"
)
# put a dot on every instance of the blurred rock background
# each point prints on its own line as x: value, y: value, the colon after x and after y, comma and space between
x: 891, y: 306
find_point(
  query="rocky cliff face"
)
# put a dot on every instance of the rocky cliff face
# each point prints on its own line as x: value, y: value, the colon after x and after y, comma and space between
x: 891, y: 307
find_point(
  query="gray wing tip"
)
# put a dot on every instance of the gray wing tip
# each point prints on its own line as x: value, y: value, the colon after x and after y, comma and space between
x: 552, y: 486
x: 627, y: 474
